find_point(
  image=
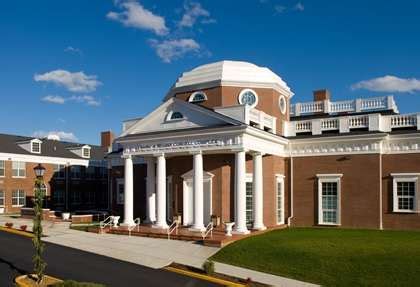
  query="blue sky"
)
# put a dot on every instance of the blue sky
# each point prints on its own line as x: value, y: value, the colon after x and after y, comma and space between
x: 79, y: 67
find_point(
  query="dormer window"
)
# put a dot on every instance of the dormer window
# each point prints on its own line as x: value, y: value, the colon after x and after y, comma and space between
x: 174, y: 116
x: 197, y: 97
x: 86, y: 152
x: 36, y: 147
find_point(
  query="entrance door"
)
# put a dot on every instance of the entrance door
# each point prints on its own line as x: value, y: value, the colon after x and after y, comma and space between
x: 188, y: 199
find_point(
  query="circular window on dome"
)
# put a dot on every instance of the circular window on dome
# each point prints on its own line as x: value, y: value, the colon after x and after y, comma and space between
x: 248, y: 97
x: 282, y: 104
x: 197, y: 97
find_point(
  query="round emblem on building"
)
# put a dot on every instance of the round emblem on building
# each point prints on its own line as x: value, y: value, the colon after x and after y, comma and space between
x: 248, y: 97
x: 282, y: 104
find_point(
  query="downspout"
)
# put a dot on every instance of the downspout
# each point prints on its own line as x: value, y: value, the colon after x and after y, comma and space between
x: 381, y: 227
x: 289, y: 219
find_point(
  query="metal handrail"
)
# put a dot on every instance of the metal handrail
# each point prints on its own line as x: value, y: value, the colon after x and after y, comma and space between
x: 209, y: 229
x: 173, y: 227
x: 137, y: 224
x: 104, y: 223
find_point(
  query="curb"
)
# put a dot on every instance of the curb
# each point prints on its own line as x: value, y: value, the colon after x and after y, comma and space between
x: 17, y: 232
x: 204, y: 277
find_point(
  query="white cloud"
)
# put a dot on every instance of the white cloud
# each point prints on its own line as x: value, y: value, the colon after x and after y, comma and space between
x: 54, y: 99
x: 73, y: 50
x: 194, y: 11
x: 74, y: 82
x: 169, y: 50
x: 135, y: 15
x: 280, y: 8
x: 61, y: 135
x: 389, y: 84
x: 86, y: 99
x: 299, y: 6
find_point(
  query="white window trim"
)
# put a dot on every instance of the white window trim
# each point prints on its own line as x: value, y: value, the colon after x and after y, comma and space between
x: 4, y: 198
x: 19, y: 176
x: 84, y: 148
x: 284, y: 109
x: 4, y: 168
x: 32, y: 147
x: 248, y: 90
x: 24, y: 198
x: 329, y: 178
x: 280, y: 179
x: 405, y: 177
x: 120, y: 181
x: 191, y: 98
x: 249, y: 178
x: 169, y: 116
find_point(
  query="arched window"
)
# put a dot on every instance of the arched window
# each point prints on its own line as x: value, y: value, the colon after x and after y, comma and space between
x: 197, y: 97
x: 173, y: 116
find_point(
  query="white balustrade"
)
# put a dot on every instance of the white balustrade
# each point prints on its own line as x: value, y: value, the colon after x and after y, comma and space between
x: 330, y: 124
x: 303, y: 126
x: 403, y: 121
x: 357, y: 105
x: 356, y: 122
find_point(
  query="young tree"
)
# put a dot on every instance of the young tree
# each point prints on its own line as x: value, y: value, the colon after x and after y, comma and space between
x: 39, y: 263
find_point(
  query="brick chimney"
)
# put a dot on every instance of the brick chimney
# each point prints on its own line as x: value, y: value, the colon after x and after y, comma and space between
x: 321, y: 95
x: 107, y: 138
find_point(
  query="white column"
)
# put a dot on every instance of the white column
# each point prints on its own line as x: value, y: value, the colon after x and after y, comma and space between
x: 128, y: 191
x: 161, y: 192
x: 151, y: 190
x: 198, y: 191
x: 257, y: 192
x: 240, y: 194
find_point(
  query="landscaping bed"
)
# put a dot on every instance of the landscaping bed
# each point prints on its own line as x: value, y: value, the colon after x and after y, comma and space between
x: 331, y: 257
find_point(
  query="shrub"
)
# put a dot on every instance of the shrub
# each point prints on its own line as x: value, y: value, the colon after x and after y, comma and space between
x: 71, y: 283
x: 9, y: 224
x: 23, y: 227
x: 208, y: 267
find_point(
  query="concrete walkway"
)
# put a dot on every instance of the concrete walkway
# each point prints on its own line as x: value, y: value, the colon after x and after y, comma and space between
x: 150, y: 252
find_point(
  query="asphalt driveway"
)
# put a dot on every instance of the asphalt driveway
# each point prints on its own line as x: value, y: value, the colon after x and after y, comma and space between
x: 68, y: 263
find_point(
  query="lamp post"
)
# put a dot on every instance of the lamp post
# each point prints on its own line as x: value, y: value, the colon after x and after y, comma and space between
x: 39, y: 264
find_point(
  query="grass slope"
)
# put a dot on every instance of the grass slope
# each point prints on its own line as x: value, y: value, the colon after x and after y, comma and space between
x: 332, y: 257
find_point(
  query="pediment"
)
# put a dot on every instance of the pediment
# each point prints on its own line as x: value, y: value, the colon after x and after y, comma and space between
x: 193, y: 116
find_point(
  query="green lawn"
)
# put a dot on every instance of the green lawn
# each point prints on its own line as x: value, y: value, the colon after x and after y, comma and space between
x: 332, y: 257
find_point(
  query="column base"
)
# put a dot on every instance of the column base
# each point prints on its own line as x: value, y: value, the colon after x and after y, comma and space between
x: 259, y: 228
x: 160, y: 226
x: 241, y: 231
x: 149, y: 221
x: 128, y: 224
x: 195, y: 229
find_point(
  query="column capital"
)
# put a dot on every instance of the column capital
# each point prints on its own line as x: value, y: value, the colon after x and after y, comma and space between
x: 256, y: 153
x: 159, y: 154
x: 127, y: 156
x: 239, y: 149
x: 195, y: 152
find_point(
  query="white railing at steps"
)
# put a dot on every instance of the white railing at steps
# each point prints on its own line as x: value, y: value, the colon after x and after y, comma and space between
x: 136, y: 224
x: 107, y: 221
x: 209, y: 229
x: 173, y: 227
x: 403, y: 121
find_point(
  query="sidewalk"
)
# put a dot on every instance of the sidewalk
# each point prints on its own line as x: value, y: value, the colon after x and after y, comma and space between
x: 261, y: 277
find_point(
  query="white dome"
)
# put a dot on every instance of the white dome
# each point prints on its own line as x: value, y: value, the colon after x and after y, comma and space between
x: 231, y: 73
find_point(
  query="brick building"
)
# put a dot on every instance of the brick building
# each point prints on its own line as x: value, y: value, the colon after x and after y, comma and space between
x: 76, y: 175
x: 227, y: 143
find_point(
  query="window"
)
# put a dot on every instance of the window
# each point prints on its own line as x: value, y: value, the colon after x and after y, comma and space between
x: 2, y: 168
x: 197, y: 97
x: 120, y: 191
x: 36, y: 147
x: 18, y: 197
x: 90, y: 197
x: 75, y: 171
x: 86, y: 152
x: 280, y: 198
x: 405, y: 192
x: 59, y: 170
x: 76, y: 197
x: 329, y: 186
x: 90, y: 172
x: 248, y: 97
x: 173, y: 116
x: 58, y: 197
x: 18, y: 169
x: 1, y: 198
x: 282, y: 104
x: 248, y: 202
x: 103, y: 172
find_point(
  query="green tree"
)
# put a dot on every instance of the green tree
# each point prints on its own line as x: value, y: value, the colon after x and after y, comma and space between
x: 39, y: 263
